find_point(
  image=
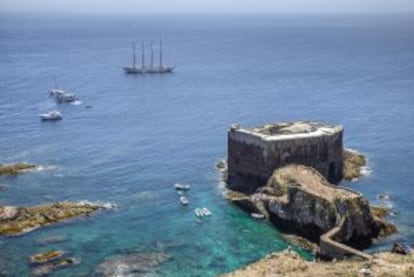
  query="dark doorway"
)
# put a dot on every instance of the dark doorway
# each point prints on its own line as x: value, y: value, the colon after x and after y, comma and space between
x: 332, y: 173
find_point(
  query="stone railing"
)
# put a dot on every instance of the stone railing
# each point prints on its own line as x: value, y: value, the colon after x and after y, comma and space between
x: 329, y: 248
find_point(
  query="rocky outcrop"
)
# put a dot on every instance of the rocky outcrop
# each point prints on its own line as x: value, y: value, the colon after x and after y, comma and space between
x: 46, y: 257
x: 297, y: 199
x: 288, y: 263
x: 20, y: 220
x: 14, y: 169
x: 353, y: 163
x: 46, y: 262
x: 134, y: 264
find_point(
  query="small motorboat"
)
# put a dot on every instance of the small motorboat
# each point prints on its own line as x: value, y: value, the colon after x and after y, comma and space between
x: 66, y: 98
x: 56, y: 92
x: 198, y: 212
x: 206, y: 211
x: 52, y: 115
x: 184, y: 201
x: 182, y: 187
x: 257, y: 215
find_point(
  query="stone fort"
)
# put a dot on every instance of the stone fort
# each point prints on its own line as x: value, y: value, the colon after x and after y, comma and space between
x: 254, y: 153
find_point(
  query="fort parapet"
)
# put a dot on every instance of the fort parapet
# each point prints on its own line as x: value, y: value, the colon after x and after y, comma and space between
x: 254, y: 153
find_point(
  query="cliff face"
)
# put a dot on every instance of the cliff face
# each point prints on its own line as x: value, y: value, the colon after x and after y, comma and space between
x: 298, y: 199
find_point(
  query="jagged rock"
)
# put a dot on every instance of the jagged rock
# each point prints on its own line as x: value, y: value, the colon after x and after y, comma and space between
x: 47, y: 268
x: 379, y: 212
x: 13, y: 169
x: 301, y: 242
x: 353, y: 161
x: 46, y: 257
x: 20, y: 220
x: 137, y: 264
x: 7, y: 213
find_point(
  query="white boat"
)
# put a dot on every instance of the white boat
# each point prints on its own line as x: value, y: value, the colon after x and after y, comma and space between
x: 257, y: 215
x: 184, y: 201
x: 66, y: 98
x: 60, y: 95
x: 161, y: 68
x: 198, y: 212
x: 182, y: 187
x: 52, y: 115
x: 206, y: 211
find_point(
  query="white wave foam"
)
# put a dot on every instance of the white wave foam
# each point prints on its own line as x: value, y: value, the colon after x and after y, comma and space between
x: 76, y: 103
x: 365, y: 171
x: 105, y: 205
x: 44, y: 168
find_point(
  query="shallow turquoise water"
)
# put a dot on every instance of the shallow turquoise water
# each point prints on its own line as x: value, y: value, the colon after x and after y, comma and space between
x: 145, y: 133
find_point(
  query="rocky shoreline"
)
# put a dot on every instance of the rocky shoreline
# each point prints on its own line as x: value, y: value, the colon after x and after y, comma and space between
x: 21, y: 220
x: 289, y: 263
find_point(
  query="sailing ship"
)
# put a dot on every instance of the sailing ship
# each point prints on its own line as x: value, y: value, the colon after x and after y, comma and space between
x: 161, y: 68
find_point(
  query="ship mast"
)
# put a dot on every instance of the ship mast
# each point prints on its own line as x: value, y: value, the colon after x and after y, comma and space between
x: 54, y: 80
x: 160, y: 53
x: 142, y: 56
x: 134, y: 56
x: 152, y: 56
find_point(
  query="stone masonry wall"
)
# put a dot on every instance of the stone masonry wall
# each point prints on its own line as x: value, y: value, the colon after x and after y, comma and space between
x: 252, y: 160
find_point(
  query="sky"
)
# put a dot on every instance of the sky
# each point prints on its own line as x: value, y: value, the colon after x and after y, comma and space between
x: 207, y: 6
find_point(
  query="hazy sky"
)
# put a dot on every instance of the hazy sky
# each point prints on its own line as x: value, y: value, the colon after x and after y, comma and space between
x: 208, y: 6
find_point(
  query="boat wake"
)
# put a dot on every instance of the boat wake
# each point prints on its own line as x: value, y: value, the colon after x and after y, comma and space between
x: 76, y: 103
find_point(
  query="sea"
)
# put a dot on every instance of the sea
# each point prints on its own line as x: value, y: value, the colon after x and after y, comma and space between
x: 130, y: 138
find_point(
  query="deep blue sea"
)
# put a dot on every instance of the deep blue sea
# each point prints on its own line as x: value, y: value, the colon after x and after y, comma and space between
x: 145, y: 133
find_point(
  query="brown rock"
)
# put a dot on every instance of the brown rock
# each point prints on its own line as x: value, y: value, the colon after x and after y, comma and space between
x: 353, y: 161
x: 20, y: 220
x: 46, y: 257
x: 13, y: 169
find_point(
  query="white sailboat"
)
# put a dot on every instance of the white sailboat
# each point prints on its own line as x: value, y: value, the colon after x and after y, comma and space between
x: 161, y: 68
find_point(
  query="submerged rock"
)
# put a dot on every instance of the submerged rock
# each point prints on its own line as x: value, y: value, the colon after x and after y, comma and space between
x: 353, y: 163
x: 136, y: 264
x: 14, y: 169
x: 20, y: 220
x: 52, y: 240
x: 47, y: 268
x: 46, y: 257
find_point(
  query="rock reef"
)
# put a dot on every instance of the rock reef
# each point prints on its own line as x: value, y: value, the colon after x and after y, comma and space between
x: 20, y: 220
x: 298, y: 199
x: 288, y: 263
x: 353, y: 163
x: 14, y: 169
x: 135, y: 264
x: 46, y: 262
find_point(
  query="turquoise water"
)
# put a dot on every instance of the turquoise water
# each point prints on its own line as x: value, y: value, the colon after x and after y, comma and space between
x: 145, y: 133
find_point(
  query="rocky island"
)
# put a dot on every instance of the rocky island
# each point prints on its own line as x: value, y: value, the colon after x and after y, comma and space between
x: 20, y: 220
x: 14, y: 169
x: 289, y: 173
